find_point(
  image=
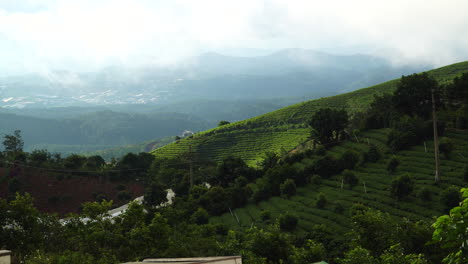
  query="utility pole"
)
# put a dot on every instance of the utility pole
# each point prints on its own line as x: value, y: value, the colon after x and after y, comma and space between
x: 191, y: 165
x: 436, y: 138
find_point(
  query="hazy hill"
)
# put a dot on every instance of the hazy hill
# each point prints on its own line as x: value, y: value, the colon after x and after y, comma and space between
x: 98, y: 130
x: 284, y: 128
x: 286, y: 73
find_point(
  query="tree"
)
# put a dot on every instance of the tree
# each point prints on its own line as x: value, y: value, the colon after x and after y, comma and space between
x: 155, y: 195
x: 200, y: 217
x: 215, y: 201
x: 74, y: 162
x: 223, y: 122
x: 358, y: 255
x: 329, y: 124
x: 38, y: 157
x: 402, y: 186
x: 373, y: 230
x: 13, y: 143
x: 311, y: 252
x: 451, y: 231
x: 413, y: 95
x: 95, y: 162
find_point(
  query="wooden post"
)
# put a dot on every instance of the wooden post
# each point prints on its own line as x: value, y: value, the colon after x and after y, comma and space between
x: 425, y: 148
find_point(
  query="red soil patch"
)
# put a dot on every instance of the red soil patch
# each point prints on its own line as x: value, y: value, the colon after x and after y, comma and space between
x: 54, y: 195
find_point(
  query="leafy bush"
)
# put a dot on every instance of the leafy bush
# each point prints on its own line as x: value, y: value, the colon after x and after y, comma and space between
x: 316, y: 179
x: 445, y: 146
x: 288, y: 222
x: 350, y: 178
x: 321, y: 201
x: 349, y: 159
x: 393, y: 164
x: 372, y: 155
x: 200, y: 217
x: 450, y: 197
x: 265, y: 215
x: 402, y: 186
x: 339, y: 208
x: 398, y: 140
x: 288, y: 188
x: 425, y: 194
x: 327, y: 166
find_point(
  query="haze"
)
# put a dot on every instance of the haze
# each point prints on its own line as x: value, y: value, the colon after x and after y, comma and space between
x: 85, y: 35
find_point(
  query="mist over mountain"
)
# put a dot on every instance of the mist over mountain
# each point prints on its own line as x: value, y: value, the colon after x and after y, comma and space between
x: 287, y: 73
x: 78, y: 111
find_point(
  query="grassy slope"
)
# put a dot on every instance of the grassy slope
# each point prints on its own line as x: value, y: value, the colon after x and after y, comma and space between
x: 416, y: 162
x: 283, y: 128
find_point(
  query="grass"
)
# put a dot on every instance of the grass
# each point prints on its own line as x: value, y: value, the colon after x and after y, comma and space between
x: 416, y: 162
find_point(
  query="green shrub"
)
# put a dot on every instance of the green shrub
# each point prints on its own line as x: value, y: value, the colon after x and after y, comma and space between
x: 265, y: 215
x: 450, y: 197
x: 339, y: 208
x: 402, y: 186
x: 316, y: 179
x: 350, y: 178
x: 425, y: 194
x: 321, y: 201
x: 393, y: 164
x: 372, y: 155
x: 446, y: 146
x: 349, y: 159
x: 288, y: 188
x: 287, y: 222
x: 200, y: 217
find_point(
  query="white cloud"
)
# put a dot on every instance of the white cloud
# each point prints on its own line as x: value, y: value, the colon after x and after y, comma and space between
x: 93, y: 33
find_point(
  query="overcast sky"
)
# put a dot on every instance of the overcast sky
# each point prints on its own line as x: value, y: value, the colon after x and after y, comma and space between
x: 88, y: 34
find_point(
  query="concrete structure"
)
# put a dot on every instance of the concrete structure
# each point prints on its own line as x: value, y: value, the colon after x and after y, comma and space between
x: 211, y: 260
x: 5, y: 257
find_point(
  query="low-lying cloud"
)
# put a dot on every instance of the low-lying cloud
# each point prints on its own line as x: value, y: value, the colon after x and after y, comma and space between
x: 36, y: 35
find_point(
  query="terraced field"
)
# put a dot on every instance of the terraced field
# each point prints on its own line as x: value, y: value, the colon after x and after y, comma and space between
x: 372, y: 190
x: 283, y: 128
x: 250, y: 145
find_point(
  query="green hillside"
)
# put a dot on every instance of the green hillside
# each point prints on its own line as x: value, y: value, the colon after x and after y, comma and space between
x: 415, y: 162
x: 284, y: 128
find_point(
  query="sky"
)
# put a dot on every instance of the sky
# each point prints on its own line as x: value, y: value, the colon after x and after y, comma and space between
x: 37, y: 35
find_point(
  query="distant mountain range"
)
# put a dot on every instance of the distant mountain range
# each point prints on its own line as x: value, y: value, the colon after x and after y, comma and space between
x: 287, y: 73
x: 81, y: 112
